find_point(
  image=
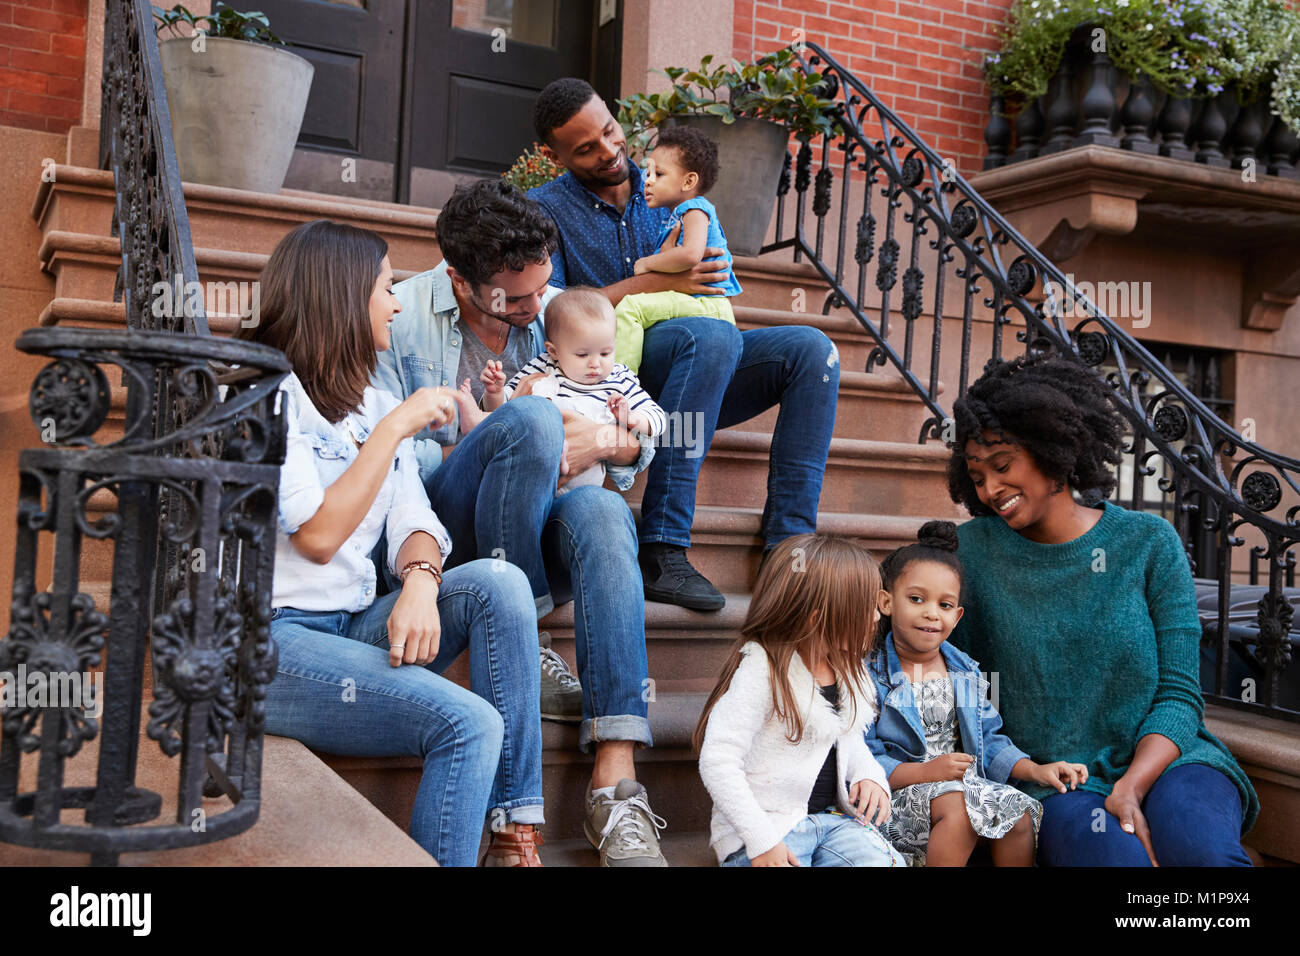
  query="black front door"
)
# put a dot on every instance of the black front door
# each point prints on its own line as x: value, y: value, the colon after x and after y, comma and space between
x: 412, y: 96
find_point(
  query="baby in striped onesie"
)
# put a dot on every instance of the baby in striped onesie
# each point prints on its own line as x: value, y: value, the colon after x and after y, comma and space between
x: 578, y: 372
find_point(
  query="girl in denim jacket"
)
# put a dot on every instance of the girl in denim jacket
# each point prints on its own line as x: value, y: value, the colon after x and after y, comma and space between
x: 937, y: 737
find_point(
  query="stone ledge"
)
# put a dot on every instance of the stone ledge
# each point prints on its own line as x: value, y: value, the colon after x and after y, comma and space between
x: 309, y: 816
x: 1269, y: 751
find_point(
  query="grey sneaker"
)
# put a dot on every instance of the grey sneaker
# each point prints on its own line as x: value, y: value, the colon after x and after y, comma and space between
x: 561, y: 692
x: 624, y: 828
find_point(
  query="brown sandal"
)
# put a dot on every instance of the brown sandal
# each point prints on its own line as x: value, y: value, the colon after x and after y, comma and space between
x: 514, y: 849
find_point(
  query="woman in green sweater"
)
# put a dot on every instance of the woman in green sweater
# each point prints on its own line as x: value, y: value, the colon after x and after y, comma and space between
x: 1087, y: 615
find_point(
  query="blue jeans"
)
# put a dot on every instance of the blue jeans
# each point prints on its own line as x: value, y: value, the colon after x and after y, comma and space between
x: 698, y: 366
x: 829, y: 839
x: 496, y: 496
x: 336, y: 692
x: 1193, y: 811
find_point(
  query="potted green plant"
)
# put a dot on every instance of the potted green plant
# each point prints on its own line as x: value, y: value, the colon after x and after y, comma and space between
x: 750, y: 110
x: 236, y: 96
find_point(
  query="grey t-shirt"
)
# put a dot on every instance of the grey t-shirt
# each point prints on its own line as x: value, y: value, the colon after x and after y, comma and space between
x: 474, y: 355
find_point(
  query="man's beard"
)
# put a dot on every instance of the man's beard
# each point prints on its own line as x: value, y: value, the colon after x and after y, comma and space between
x: 613, y: 179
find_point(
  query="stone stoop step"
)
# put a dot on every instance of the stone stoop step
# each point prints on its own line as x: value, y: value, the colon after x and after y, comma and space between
x: 309, y: 816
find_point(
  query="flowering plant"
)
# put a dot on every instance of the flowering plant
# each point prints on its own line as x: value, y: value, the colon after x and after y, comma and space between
x: 531, y: 169
x: 1191, y: 48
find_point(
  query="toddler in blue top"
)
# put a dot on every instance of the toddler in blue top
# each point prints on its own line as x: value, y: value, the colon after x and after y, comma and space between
x: 683, y: 166
x: 937, y: 737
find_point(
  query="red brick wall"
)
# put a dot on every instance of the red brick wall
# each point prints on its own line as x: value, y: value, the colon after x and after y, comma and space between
x: 921, y: 58
x: 42, y: 63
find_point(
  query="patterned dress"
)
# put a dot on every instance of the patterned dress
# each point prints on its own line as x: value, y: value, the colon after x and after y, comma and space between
x: 993, y: 808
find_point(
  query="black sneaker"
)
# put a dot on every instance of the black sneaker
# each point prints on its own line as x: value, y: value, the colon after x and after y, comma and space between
x: 670, y: 579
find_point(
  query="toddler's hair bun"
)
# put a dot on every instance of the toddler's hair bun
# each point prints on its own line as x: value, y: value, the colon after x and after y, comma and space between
x: 938, y: 534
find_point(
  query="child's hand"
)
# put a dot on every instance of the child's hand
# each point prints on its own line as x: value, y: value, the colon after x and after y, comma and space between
x: 1058, y: 773
x: 779, y: 855
x: 950, y: 766
x: 640, y: 268
x: 870, y: 800
x: 618, y: 406
x: 492, y: 377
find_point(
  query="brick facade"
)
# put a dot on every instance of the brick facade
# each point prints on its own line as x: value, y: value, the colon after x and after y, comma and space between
x: 923, y: 59
x: 42, y: 63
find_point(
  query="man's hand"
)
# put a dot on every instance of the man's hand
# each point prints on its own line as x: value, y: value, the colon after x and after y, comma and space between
x: 589, y: 442
x: 702, y: 278
x: 525, y: 386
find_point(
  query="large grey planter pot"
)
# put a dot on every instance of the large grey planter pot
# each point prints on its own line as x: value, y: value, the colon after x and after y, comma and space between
x: 750, y: 155
x: 236, y: 108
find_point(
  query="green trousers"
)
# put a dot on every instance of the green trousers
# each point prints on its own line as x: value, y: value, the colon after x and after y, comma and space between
x: 636, y: 313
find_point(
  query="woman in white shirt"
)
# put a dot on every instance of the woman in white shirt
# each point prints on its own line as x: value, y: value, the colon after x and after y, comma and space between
x: 359, y: 675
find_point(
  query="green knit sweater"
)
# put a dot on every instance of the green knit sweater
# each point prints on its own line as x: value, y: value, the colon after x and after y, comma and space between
x: 1094, y: 642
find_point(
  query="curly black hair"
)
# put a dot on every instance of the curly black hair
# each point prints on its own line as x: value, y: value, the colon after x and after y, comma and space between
x: 936, y: 541
x: 696, y: 152
x: 1058, y: 410
x: 559, y: 101
x: 489, y: 225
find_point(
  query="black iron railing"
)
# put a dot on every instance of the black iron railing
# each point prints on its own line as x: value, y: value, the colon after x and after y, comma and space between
x: 193, y: 483
x: 942, y: 235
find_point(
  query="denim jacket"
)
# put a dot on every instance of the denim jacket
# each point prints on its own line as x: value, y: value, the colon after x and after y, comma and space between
x: 424, y: 350
x: 898, y: 736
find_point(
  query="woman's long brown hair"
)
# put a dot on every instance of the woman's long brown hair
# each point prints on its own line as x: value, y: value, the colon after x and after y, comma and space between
x: 315, y: 308
x: 814, y: 590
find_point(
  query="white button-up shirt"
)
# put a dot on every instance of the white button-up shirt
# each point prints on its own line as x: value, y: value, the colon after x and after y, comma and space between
x: 316, y: 455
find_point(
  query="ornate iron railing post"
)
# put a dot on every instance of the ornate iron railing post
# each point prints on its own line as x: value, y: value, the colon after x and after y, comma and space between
x: 1220, y: 483
x: 212, y: 651
x: 195, y: 478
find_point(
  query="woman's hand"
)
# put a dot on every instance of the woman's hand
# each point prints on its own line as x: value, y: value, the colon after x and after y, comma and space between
x: 1058, y: 773
x: 414, y: 627
x: 949, y: 766
x: 1124, y: 805
x: 779, y: 855
x: 425, y: 407
x: 870, y: 800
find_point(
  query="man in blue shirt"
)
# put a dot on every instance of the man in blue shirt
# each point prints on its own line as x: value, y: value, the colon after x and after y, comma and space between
x: 696, y: 367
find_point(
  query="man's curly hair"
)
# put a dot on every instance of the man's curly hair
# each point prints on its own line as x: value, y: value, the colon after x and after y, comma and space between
x: 489, y: 225
x: 695, y: 151
x: 1059, y: 411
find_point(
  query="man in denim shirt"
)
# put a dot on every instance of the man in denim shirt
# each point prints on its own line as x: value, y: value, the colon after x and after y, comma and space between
x: 496, y: 490
x: 706, y: 374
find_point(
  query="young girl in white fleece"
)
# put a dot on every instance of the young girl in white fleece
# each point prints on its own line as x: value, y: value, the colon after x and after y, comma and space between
x: 781, y: 743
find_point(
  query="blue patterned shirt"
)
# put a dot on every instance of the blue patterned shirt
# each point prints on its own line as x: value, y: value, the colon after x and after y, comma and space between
x: 598, y: 244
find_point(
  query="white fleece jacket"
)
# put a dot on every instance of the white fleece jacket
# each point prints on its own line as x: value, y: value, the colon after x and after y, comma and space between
x: 759, y: 781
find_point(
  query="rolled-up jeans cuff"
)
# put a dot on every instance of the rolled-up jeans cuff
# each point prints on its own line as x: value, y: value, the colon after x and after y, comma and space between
x: 545, y: 605
x: 519, y: 811
x: 617, y: 727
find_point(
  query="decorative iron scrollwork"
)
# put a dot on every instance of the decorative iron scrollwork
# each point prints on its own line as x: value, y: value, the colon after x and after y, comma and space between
x: 1170, y: 422
x: 72, y: 396
x: 1261, y: 491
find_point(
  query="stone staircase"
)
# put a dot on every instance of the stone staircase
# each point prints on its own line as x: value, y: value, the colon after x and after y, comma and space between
x: 880, y: 484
